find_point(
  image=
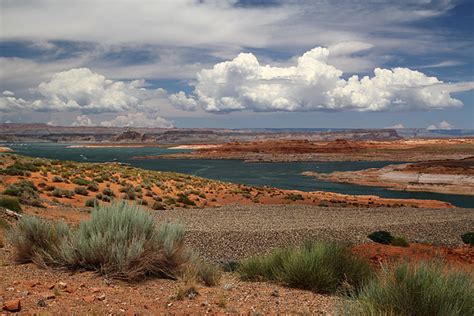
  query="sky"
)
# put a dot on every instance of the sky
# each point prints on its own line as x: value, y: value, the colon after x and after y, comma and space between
x: 238, y: 63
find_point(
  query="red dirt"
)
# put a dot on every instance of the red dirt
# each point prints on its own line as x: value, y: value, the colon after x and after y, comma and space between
x: 378, y: 253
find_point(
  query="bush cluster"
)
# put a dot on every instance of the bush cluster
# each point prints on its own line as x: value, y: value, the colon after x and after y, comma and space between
x: 317, y: 266
x: 386, y: 238
x: 10, y: 203
x: 25, y: 191
x: 424, y: 289
x: 468, y: 238
x: 119, y: 240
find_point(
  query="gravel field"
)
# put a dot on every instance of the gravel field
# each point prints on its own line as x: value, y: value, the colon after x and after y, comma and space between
x: 236, y: 231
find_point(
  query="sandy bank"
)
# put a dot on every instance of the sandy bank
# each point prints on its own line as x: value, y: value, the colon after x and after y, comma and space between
x: 448, y: 177
x: 5, y: 149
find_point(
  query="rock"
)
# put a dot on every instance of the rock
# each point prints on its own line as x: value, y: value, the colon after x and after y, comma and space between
x: 228, y: 286
x: 130, y: 312
x: 275, y: 293
x: 32, y: 283
x: 62, y: 285
x: 95, y: 290
x: 89, y: 299
x: 69, y: 289
x: 12, y: 305
x: 48, y: 296
x: 101, y: 297
x: 49, y: 286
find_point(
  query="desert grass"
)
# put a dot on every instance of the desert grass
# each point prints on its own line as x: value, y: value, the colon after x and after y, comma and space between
x: 425, y: 288
x: 321, y: 267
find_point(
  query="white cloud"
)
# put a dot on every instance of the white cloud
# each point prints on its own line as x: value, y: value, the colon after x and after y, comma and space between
x: 313, y: 84
x: 181, y: 101
x: 137, y: 120
x: 9, y: 102
x: 397, y: 126
x: 82, y: 120
x: 80, y: 89
x: 442, y: 125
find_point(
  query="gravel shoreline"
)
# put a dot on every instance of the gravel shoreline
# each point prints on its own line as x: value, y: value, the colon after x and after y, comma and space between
x: 237, y: 231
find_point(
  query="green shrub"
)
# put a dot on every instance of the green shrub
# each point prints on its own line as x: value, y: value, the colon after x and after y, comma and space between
x: 130, y: 194
x: 37, y: 240
x: 49, y: 188
x: 381, y: 237
x: 81, y: 190
x: 93, y: 187
x: 108, y: 192
x: 58, y: 192
x: 58, y: 179
x: 208, y: 273
x: 91, y: 202
x: 25, y: 191
x: 184, y: 199
x: 468, y: 238
x: 294, y: 197
x: 20, y: 169
x: 400, y: 242
x: 317, y: 266
x: 119, y: 240
x: 423, y: 289
x: 10, y: 203
x: 158, y: 206
x: 81, y: 181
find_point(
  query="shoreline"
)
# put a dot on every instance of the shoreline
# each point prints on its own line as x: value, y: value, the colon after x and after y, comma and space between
x: 429, y: 176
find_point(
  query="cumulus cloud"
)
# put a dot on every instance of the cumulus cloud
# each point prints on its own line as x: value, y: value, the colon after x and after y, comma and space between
x: 9, y: 102
x: 312, y: 84
x: 82, y: 120
x: 82, y: 89
x: 442, y: 125
x: 181, y: 101
x: 137, y: 120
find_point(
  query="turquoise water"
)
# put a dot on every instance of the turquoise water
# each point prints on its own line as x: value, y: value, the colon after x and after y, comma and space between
x: 280, y: 175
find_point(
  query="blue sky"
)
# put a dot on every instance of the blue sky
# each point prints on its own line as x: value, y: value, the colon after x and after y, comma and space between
x: 177, y: 63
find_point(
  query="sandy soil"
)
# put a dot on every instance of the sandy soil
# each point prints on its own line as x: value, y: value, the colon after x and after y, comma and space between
x: 5, y: 149
x: 338, y: 150
x: 445, y: 176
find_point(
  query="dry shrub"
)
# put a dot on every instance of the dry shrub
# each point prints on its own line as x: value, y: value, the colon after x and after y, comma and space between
x: 120, y: 240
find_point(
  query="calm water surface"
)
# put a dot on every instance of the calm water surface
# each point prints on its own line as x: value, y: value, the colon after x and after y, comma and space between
x: 280, y: 175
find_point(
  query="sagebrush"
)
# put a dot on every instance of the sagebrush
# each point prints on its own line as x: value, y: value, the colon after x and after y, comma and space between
x: 120, y: 240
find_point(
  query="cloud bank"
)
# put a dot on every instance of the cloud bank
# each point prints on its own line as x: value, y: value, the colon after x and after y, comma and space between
x: 444, y: 125
x: 312, y: 84
x: 80, y: 89
x: 137, y: 120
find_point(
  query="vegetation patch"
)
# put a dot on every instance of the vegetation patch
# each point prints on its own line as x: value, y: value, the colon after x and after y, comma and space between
x: 119, y: 240
x: 381, y: 237
x: 468, y: 238
x: 424, y: 289
x: 317, y: 266
x: 10, y: 203
x: 25, y: 191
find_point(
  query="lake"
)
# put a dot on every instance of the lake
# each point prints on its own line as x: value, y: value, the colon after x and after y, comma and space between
x: 280, y: 175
